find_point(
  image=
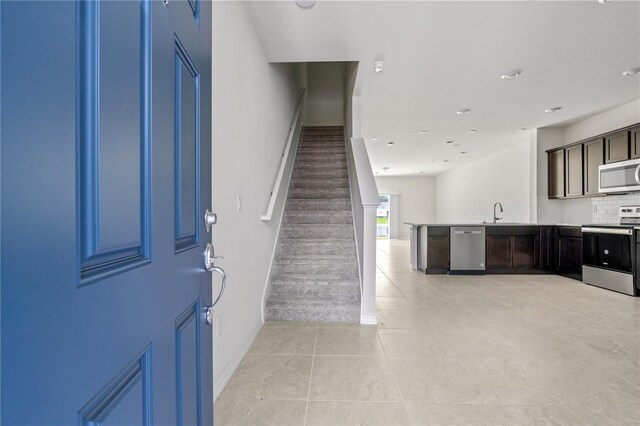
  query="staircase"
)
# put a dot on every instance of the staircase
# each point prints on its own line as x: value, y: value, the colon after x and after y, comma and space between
x: 315, y: 272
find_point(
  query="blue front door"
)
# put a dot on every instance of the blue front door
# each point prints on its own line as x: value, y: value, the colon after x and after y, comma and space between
x: 105, y: 178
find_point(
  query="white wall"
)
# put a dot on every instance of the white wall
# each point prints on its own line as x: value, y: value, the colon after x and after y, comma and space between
x: 253, y: 104
x: 326, y: 87
x: 417, y: 199
x: 580, y: 210
x: 467, y: 193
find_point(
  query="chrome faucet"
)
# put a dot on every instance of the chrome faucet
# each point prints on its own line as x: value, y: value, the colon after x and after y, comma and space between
x: 495, y: 217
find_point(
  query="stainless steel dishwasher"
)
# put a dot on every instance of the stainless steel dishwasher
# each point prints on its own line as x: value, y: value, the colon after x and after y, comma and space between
x: 467, y: 254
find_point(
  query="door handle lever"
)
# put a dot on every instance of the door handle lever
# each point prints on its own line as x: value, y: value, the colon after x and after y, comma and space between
x: 209, y: 309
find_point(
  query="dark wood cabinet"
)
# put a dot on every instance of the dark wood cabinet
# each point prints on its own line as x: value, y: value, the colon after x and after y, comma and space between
x: 570, y: 252
x: 556, y: 173
x: 546, y: 255
x: 593, y: 152
x: 512, y: 249
x: 498, y: 252
x: 573, y: 171
x: 616, y: 147
x: 437, y: 249
x: 635, y: 142
x: 525, y: 251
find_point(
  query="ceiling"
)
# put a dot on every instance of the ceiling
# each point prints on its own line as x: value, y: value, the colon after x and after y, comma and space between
x: 444, y: 56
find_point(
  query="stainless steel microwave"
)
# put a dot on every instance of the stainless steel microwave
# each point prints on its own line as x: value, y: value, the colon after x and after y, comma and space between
x: 623, y: 176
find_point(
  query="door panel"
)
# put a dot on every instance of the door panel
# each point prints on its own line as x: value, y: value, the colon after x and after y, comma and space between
x: 635, y: 142
x: 96, y: 300
x: 525, y: 251
x: 556, y: 174
x: 573, y: 171
x: 114, y: 135
x: 188, y: 386
x: 617, y: 147
x: 124, y: 401
x: 187, y: 124
x: 593, y: 157
x: 499, y: 252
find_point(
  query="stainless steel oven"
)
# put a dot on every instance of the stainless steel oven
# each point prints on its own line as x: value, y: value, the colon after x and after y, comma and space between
x: 608, y: 254
x: 623, y: 176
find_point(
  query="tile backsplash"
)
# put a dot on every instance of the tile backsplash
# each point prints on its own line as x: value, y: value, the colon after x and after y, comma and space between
x: 605, y: 209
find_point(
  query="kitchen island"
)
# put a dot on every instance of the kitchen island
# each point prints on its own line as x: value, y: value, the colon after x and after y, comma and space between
x: 510, y: 248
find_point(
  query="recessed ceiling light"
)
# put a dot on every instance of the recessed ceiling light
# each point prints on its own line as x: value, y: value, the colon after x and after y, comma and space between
x: 378, y: 66
x: 423, y: 132
x: 632, y: 71
x: 374, y: 139
x: 552, y: 110
x: 446, y: 161
x: 390, y: 143
x: 510, y: 75
x: 522, y: 129
x: 385, y: 168
x: 464, y: 111
x: 449, y: 142
x: 472, y: 131
x: 463, y: 152
x: 305, y: 4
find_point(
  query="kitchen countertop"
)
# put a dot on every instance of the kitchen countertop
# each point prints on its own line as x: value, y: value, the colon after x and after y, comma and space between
x: 491, y: 224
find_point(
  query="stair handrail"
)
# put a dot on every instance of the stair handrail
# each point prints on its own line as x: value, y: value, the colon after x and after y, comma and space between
x: 296, y: 123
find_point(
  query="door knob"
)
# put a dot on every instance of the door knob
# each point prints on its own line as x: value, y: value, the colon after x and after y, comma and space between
x: 210, y: 218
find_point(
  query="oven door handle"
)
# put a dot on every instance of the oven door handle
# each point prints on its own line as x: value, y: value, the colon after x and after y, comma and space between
x: 612, y: 231
x: 637, y: 175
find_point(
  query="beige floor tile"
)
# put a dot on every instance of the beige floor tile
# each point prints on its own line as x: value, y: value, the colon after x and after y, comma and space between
x: 598, y: 382
x: 345, y: 325
x: 388, y: 291
x: 466, y: 415
x: 349, y: 341
x: 271, y: 377
x: 291, y: 324
x: 233, y: 411
x: 285, y: 341
x: 338, y: 378
x: 400, y: 319
x: 356, y: 413
x: 419, y: 291
x: 525, y: 349
x: 440, y: 381
x: 522, y: 381
x: 476, y: 343
x: 412, y: 343
x: 592, y: 415
x: 393, y: 304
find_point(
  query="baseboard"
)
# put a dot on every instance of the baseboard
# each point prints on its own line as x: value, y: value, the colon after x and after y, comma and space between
x: 368, y: 319
x: 224, y: 378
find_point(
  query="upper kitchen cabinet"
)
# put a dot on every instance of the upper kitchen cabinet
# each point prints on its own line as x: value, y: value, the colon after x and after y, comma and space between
x: 573, y: 171
x: 616, y: 147
x: 593, y: 158
x: 556, y: 173
x: 635, y: 142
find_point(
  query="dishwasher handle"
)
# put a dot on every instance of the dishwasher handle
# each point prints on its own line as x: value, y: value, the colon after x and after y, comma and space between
x: 467, y: 232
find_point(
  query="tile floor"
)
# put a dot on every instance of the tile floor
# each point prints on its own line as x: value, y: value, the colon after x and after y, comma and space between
x: 491, y: 350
